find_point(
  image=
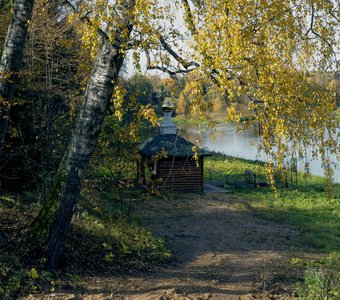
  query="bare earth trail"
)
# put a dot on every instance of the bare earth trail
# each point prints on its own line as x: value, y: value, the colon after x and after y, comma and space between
x: 221, y: 251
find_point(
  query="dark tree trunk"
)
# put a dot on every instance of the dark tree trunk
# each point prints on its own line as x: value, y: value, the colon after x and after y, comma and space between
x: 98, y: 94
x: 11, y: 60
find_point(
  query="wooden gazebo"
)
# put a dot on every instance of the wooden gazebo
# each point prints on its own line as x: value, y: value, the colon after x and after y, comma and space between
x: 175, y: 164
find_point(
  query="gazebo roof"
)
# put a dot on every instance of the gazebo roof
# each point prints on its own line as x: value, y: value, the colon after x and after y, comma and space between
x: 171, y: 144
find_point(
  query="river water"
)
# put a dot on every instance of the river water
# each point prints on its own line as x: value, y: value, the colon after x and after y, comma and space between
x: 244, y: 144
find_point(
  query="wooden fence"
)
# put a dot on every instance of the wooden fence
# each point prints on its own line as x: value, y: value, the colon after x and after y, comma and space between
x: 251, y: 179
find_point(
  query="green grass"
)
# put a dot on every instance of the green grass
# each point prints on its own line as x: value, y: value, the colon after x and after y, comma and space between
x: 314, y: 214
x: 107, y: 215
x: 105, y: 235
x: 306, y: 206
x: 319, y: 285
x: 218, y: 165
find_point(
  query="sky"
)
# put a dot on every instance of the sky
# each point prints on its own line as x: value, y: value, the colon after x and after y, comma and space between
x: 179, y: 24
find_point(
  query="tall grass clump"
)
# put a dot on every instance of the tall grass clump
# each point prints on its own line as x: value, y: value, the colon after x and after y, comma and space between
x: 318, y: 285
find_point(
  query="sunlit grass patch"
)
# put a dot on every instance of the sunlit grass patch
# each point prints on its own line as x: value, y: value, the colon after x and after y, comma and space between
x: 218, y: 166
x: 304, y: 205
x: 183, y: 121
x: 313, y: 213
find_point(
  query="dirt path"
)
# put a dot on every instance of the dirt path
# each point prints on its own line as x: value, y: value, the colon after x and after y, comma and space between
x: 221, y: 251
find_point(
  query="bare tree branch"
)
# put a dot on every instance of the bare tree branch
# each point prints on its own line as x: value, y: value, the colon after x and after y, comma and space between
x: 172, y: 73
x: 177, y: 57
x: 189, y: 17
x: 312, y: 30
x: 86, y: 19
x: 334, y: 16
x: 311, y: 20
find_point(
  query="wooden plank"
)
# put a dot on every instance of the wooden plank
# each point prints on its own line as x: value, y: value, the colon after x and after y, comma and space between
x: 180, y: 174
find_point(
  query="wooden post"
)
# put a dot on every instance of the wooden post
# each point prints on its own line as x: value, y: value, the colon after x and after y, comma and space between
x: 142, y: 171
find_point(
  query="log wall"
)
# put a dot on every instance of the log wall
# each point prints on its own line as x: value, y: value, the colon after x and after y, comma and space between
x: 180, y: 174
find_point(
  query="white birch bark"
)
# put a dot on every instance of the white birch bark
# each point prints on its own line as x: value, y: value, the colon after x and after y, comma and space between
x: 11, y: 60
x: 98, y: 94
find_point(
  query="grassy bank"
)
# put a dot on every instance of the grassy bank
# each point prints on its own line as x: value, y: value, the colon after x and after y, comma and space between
x: 219, y: 165
x: 317, y: 218
x: 214, y: 118
x: 105, y: 237
x: 182, y: 121
x: 211, y: 119
x: 304, y: 205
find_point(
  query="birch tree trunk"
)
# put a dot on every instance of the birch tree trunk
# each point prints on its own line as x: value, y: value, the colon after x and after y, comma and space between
x: 11, y: 60
x: 98, y: 94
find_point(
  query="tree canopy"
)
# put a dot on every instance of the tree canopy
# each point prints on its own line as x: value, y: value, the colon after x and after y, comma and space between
x: 281, y: 55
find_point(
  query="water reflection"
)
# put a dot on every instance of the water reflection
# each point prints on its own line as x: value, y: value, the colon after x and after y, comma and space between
x: 244, y: 145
